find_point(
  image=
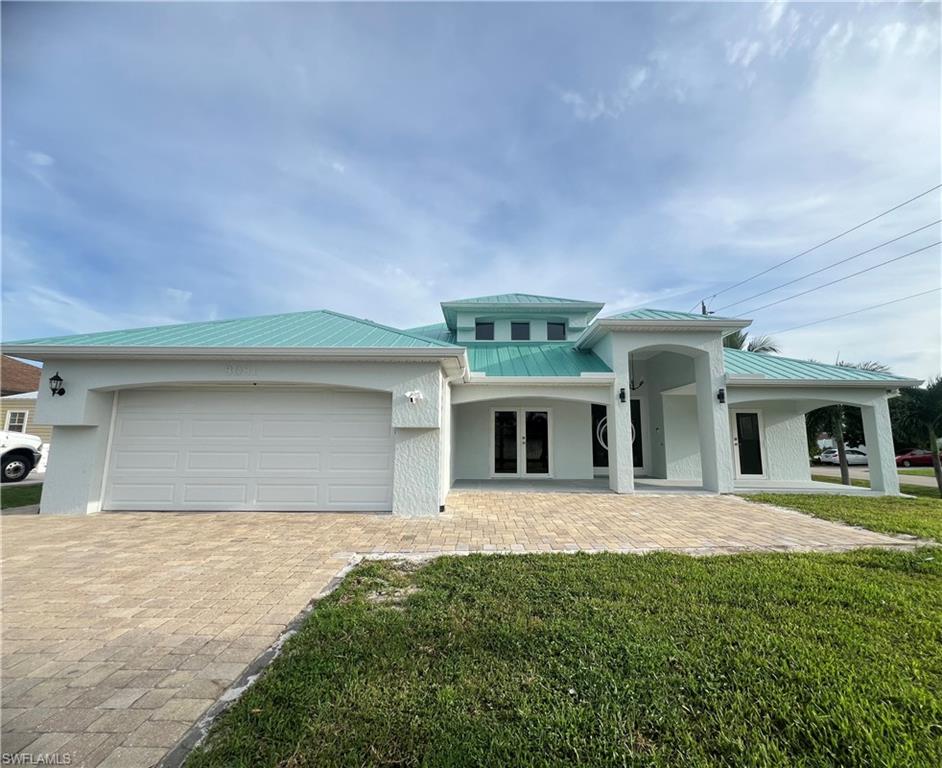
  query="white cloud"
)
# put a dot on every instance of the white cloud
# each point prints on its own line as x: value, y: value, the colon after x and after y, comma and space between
x: 774, y: 10
x: 743, y: 52
x: 835, y: 41
x: 39, y: 158
x: 613, y: 104
x: 178, y: 295
x: 888, y: 38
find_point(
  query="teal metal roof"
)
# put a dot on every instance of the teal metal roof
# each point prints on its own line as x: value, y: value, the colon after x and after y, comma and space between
x: 739, y: 362
x: 436, y: 331
x: 532, y: 359
x: 521, y: 298
x: 666, y: 314
x: 321, y: 328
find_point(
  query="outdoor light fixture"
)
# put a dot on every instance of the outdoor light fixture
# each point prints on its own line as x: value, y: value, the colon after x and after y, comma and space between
x: 621, y: 395
x: 55, y: 384
x: 415, y: 396
x: 721, y: 395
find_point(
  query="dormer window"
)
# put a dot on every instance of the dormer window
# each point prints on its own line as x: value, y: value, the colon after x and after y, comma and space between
x: 556, y: 331
x: 519, y: 331
x: 484, y: 331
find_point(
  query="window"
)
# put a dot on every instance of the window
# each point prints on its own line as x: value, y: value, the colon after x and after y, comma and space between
x: 556, y: 331
x: 484, y: 331
x: 519, y: 331
x: 16, y: 421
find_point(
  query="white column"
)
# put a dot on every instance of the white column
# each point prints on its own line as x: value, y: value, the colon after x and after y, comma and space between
x: 878, y: 435
x: 621, y: 473
x: 716, y: 452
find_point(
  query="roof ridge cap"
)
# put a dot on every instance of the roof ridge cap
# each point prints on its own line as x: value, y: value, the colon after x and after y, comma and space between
x: 363, y: 320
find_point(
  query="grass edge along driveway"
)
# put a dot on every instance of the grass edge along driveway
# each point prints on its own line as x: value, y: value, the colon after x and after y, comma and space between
x: 605, y: 659
x: 921, y: 517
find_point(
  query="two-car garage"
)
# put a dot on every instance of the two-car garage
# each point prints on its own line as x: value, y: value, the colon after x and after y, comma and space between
x: 256, y: 447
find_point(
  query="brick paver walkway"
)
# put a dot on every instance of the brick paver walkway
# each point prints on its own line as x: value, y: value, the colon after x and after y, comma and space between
x: 120, y: 630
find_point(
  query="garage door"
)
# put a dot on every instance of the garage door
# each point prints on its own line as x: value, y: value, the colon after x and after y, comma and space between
x: 262, y: 448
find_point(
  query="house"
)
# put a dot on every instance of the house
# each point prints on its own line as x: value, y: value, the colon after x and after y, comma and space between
x: 327, y: 412
x: 18, y: 414
x: 17, y: 377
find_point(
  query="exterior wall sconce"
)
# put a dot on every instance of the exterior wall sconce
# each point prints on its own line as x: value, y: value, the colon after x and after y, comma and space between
x: 55, y: 384
x: 621, y: 395
x: 415, y: 396
x: 721, y: 395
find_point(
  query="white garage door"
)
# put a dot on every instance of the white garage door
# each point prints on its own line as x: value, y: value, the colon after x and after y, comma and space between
x: 264, y: 448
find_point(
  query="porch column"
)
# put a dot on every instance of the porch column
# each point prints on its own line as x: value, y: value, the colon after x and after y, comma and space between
x: 621, y: 473
x: 716, y: 451
x: 878, y: 435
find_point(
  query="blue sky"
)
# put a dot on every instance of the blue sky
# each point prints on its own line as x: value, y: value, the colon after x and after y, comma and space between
x: 175, y: 162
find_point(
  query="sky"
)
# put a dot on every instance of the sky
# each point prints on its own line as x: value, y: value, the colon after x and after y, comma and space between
x: 178, y: 162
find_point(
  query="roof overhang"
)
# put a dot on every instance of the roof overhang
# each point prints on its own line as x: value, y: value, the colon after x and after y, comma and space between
x: 590, y: 379
x: 64, y: 352
x: 761, y: 381
x: 599, y: 327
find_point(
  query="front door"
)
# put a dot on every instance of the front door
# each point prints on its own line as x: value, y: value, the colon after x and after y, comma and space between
x: 521, y: 442
x: 747, y: 444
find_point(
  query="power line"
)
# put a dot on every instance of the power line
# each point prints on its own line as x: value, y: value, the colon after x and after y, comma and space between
x: 822, y: 244
x: 857, y: 311
x: 829, y: 266
x: 841, y: 279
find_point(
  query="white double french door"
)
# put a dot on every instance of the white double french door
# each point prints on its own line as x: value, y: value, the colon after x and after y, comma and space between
x: 521, y: 443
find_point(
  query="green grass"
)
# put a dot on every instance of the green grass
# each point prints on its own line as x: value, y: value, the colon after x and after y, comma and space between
x: 922, y: 491
x: 607, y: 660
x: 12, y: 495
x: 888, y: 514
x: 922, y: 471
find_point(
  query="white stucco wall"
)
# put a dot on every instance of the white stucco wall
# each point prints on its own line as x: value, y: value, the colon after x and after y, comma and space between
x: 682, y: 443
x: 570, y: 439
x: 82, y: 417
x: 786, y: 443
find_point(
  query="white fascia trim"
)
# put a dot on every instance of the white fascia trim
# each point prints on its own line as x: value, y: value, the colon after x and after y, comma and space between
x: 753, y: 381
x: 593, y: 380
x: 44, y: 352
x: 598, y: 326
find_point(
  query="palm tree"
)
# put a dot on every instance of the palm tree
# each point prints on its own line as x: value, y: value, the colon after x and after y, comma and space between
x: 740, y: 340
x: 922, y: 410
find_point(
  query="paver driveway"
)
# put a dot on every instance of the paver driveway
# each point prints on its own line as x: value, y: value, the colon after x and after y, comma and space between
x: 119, y: 630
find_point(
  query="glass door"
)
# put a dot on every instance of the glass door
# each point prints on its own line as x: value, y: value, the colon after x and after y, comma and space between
x: 748, y: 444
x: 505, y: 442
x: 521, y: 443
x: 536, y: 442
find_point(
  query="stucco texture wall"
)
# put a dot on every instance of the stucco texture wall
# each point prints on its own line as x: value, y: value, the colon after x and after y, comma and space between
x: 570, y: 439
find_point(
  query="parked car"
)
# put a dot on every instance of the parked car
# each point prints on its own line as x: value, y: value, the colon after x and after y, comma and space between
x: 917, y: 458
x: 854, y: 457
x: 21, y: 453
x: 825, y: 455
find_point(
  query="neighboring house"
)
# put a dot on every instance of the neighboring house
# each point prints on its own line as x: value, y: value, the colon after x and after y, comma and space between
x: 323, y: 411
x: 17, y: 377
x: 18, y: 414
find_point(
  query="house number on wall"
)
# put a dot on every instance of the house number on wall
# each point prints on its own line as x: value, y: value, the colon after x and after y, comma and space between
x: 241, y: 369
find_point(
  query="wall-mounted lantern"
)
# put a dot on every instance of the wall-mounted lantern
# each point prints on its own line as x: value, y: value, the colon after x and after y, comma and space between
x: 721, y: 395
x: 55, y: 384
x: 621, y: 395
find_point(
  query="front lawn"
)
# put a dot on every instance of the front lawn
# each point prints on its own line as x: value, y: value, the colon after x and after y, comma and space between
x: 607, y: 660
x: 12, y: 495
x: 922, y: 471
x: 923, y: 491
x: 888, y: 514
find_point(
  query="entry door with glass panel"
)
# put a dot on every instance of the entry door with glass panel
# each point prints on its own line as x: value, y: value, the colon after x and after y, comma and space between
x: 521, y: 442
x: 747, y: 443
